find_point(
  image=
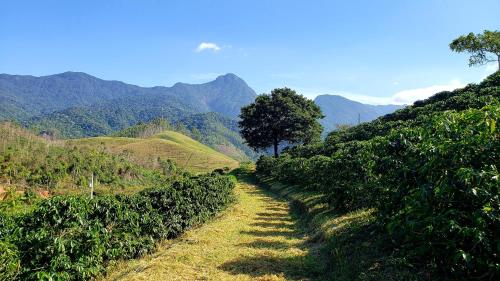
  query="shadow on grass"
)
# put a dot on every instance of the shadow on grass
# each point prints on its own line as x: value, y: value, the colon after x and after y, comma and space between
x: 272, y: 215
x: 266, y: 244
x: 277, y: 209
x: 358, y: 248
x: 273, y: 219
x: 271, y: 224
x: 277, y: 230
x: 289, y: 233
x: 295, y: 268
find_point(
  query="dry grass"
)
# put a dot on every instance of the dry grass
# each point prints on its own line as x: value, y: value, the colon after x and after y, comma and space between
x: 358, y: 248
x: 256, y: 239
x: 183, y: 150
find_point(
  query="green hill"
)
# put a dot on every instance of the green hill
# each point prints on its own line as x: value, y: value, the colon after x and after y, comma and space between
x: 183, y: 150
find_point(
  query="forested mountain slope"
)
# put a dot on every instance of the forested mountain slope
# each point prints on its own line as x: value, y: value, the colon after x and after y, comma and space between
x: 219, y: 132
x: 32, y: 96
x: 74, y: 105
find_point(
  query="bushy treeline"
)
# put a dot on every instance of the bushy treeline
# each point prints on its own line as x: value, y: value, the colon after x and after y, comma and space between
x: 471, y: 96
x: 74, y: 238
x: 144, y: 130
x: 431, y: 171
x: 27, y: 160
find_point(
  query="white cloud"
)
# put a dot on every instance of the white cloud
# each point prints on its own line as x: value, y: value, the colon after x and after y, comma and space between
x: 368, y: 99
x: 207, y: 46
x: 412, y: 95
x: 402, y: 97
x: 492, y: 67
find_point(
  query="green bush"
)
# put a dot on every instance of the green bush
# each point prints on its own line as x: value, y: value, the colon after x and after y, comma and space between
x: 441, y: 197
x: 265, y: 165
x: 73, y: 238
x: 435, y: 187
x: 9, y: 261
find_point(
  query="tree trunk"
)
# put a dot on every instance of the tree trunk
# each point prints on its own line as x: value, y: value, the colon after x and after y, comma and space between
x: 275, y: 144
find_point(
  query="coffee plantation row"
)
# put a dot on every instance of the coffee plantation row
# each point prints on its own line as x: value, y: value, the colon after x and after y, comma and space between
x: 75, y: 237
x: 431, y: 172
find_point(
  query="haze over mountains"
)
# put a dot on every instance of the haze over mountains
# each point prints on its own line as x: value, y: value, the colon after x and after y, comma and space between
x: 75, y: 104
x: 342, y: 111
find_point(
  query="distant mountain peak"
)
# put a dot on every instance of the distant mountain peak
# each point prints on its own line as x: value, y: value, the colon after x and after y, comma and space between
x: 340, y: 110
x: 332, y: 97
x: 229, y: 77
x: 73, y: 74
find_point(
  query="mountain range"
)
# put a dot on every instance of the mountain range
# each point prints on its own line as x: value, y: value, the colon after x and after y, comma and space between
x: 342, y: 111
x: 76, y: 104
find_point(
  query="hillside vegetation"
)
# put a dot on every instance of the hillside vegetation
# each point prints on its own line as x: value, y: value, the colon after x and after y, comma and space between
x: 183, y: 150
x: 28, y: 162
x: 75, y: 105
x: 51, y: 228
x: 219, y: 132
x: 430, y: 172
x: 75, y: 237
x: 33, y: 96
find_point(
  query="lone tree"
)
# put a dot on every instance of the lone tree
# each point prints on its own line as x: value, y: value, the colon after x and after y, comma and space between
x: 483, y: 47
x: 281, y: 116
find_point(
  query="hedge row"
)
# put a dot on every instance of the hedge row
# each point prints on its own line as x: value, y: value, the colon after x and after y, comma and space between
x: 73, y: 238
x: 435, y: 187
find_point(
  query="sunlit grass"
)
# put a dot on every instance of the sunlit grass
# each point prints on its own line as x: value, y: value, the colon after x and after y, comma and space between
x: 183, y: 150
x: 256, y: 239
x: 358, y: 248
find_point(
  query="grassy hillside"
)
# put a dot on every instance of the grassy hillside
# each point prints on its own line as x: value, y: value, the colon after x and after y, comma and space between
x: 31, y: 165
x: 183, y: 150
x: 219, y: 132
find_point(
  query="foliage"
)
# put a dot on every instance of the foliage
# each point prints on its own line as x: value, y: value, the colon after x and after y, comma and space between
x: 30, y: 161
x: 440, y: 196
x: 73, y: 238
x: 72, y: 96
x: 432, y: 174
x: 483, y: 47
x: 74, y: 105
x: 9, y: 261
x: 471, y: 96
x: 219, y: 132
x: 144, y: 130
x: 281, y: 116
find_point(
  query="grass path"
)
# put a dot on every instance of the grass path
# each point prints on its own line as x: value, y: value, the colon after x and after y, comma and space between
x: 258, y: 238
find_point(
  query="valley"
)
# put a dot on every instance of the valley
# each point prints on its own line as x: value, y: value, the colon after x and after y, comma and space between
x: 250, y: 140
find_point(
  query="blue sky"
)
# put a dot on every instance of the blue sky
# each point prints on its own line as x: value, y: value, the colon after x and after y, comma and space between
x: 371, y: 51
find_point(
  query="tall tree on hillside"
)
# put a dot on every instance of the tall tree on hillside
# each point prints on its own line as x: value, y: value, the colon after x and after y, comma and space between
x: 484, y: 48
x: 281, y: 116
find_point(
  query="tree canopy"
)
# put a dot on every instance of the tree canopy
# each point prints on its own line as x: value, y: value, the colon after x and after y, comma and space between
x: 484, y: 48
x: 282, y: 116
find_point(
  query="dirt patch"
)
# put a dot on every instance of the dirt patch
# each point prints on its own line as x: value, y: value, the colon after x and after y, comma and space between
x: 3, y: 192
